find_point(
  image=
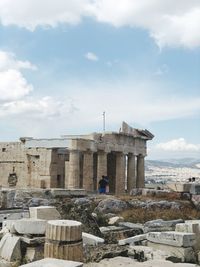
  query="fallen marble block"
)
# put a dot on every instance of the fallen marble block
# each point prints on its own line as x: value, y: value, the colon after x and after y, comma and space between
x: 191, y: 227
x: 159, y: 224
x: 89, y: 239
x: 44, y: 213
x: 30, y: 226
x: 131, y: 225
x: 132, y: 240
x: 10, y: 249
x: 177, y: 239
x: 184, y: 254
x: 50, y: 262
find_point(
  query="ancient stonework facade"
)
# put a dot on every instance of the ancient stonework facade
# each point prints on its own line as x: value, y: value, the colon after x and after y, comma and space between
x: 76, y: 161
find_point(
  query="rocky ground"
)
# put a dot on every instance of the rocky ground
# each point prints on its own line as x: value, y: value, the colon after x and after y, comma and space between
x: 115, y: 218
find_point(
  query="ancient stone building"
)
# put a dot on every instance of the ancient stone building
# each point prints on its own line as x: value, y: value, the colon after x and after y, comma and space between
x: 76, y: 161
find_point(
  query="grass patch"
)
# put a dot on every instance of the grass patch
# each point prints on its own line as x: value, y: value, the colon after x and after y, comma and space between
x: 141, y: 215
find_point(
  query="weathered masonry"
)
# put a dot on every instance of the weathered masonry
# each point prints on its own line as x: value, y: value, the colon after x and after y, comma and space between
x: 76, y: 161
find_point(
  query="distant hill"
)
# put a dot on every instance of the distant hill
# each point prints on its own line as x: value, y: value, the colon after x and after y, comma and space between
x: 173, y: 163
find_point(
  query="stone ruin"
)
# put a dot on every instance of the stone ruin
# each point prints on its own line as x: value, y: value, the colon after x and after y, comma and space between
x: 44, y: 240
x: 76, y: 161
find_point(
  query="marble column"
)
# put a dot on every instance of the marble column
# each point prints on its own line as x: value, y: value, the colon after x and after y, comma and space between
x: 120, y: 173
x: 88, y: 171
x: 140, y: 172
x: 101, y: 164
x: 73, y: 179
x: 131, y: 172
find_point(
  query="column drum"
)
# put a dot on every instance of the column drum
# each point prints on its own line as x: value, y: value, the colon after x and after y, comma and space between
x: 64, y: 240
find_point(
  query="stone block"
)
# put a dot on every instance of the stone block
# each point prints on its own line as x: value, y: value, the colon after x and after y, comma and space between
x: 113, y: 234
x: 161, y: 225
x: 191, y: 227
x: 131, y: 225
x: 50, y: 262
x: 58, y: 192
x: 89, y: 239
x: 44, y: 213
x: 180, y: 187
x: 184, y: 254
x: 177, y: 239
x: 132, y: 240
x: 30, y: 226
x: 195, y: 189
x: 10, y: 249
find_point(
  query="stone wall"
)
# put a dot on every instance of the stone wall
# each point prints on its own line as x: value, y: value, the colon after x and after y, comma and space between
x: 12, y: 164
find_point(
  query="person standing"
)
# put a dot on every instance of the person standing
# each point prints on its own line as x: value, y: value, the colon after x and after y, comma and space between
x: 102, y: 185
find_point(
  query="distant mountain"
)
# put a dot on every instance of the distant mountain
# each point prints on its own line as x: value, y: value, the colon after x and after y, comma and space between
x: 173, y: 163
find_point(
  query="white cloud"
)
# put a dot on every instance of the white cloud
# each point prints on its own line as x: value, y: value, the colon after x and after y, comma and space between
x: 15, y: 90
x: 13, y: 84
x: 91, y: 56
x: 8, y: 61
x: 169, y: 22
x: 46, y: 13
x: 178, y: 145
x: 140, y: 103
x: 45, y: 107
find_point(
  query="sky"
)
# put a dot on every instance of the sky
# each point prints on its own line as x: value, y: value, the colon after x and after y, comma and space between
x: 65, y: 62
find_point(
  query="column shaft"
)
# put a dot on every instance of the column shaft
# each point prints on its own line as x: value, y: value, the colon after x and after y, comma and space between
x: 74, y: 169
x: 131, y: 172
x: 101, y: 164
x: 88, y: 171
x: 140, y: 172
x: 120, y: 173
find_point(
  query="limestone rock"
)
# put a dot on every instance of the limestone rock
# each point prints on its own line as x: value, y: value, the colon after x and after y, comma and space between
x: 114, y: 233
x: 115, y: 220
x: 111, y: 205
x: 152, y: 204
